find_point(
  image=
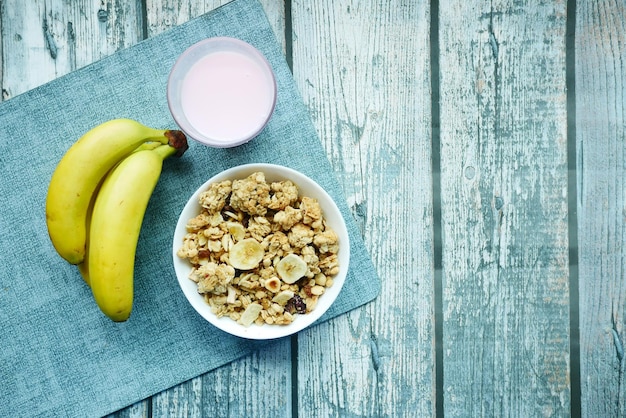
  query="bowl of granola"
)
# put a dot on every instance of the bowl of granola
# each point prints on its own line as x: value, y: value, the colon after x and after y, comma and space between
x: 261, y: 251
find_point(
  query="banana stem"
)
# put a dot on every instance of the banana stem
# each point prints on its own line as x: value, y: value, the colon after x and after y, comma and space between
x: 178, y: 141
x: 175, y: 139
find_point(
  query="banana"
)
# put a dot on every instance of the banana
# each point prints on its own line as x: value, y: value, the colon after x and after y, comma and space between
x: 83, y: 267
x: 246, y: 254
x: 236, y: 230
x: 116, y: 220
x: 291, y: 268
x: 250, y: 314
x: 81, y: 170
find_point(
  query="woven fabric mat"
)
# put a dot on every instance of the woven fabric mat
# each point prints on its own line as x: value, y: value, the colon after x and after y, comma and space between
x: 60, y: 356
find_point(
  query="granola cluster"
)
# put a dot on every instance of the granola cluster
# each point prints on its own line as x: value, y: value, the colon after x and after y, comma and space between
x: 260, y: 252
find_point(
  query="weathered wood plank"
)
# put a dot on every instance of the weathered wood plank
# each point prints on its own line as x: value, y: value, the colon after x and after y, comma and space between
x: 165, y: 14
x: 601, y: 168
x: 45, y: 39
x: 504, y: 208
x: 258, y: 385
x: 363, y: 70
x: 24, y: 42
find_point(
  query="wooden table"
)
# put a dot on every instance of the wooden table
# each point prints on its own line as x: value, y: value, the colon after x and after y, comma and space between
x: 481, y: 147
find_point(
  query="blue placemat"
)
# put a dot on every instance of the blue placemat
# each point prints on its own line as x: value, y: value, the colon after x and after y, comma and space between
x: 59, y: 355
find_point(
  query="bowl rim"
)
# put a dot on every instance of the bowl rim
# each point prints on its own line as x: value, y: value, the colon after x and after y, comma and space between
x: 176, y: 111
x: 265, y: 332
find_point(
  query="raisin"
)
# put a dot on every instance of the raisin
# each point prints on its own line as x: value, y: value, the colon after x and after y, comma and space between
x: 296, y: 305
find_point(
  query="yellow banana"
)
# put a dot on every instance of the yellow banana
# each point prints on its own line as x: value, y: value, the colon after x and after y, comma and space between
x: 116, y: 221
x: 83, y: 267
x: 79, y: 173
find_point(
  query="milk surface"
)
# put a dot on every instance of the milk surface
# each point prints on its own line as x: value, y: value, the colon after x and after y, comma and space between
x: 227, y: 96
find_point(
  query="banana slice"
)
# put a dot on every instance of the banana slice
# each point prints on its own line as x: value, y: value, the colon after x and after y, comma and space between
x: 291, y: 268
x: 283, y: 297
x: 236, y: 230
x: 246, y: 254
x: 250, y: 314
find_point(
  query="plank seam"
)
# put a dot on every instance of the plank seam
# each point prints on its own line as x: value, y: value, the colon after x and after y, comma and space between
x: 143, y: 25
x: 436, y: 193
x: 294, y: 339
x: 288, y: 35
x: 570, y: 75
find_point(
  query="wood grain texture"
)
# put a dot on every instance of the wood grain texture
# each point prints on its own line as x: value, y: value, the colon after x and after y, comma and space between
x: 504, y: 208
x: 46, y: 39
x: 363, y: 68
x: 165, y: 14
x: 601, y: 167
x: 258, y: 385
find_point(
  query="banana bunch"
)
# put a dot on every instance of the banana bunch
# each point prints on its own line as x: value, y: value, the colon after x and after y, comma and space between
x: 97, y: 199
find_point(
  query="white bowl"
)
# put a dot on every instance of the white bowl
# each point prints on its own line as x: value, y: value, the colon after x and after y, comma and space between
x: 307, y: 187
x: 221, y: 92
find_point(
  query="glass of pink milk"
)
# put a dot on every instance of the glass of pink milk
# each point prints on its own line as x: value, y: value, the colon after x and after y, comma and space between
x: 221, y: 92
